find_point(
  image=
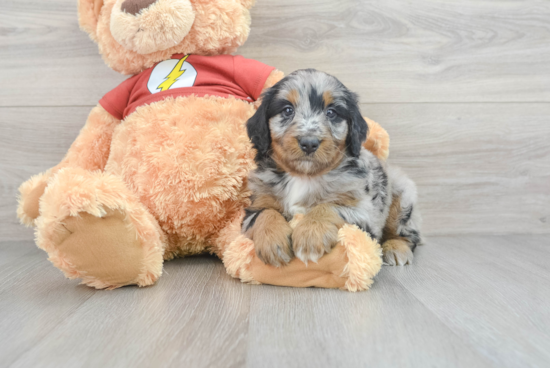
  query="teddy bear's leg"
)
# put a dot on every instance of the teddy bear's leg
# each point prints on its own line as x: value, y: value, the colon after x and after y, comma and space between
x: 93, y: 228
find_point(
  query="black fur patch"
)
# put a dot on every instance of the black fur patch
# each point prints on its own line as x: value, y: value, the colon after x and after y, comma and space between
x: 412, y: 236
x: 355, y: 168
x: 268, y: 164
x: 380, y: 186
x: 316, y: 101
x: 406, y: 215
x: 276, y: 106
x: 357, y: 126
x: 257, y: 126
x: 252, y: 212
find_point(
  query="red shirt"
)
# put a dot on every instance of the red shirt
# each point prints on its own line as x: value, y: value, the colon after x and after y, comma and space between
x: 223, y: 75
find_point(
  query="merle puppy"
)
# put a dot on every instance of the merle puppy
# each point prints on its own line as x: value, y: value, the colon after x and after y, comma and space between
x: 308, y: 133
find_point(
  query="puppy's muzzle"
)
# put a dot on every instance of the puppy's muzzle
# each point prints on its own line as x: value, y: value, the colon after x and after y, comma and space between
x: 309, y: 144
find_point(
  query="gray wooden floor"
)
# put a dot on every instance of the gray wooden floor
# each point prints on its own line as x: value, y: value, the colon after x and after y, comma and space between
x: 462, y: 86
x: 469, y: 301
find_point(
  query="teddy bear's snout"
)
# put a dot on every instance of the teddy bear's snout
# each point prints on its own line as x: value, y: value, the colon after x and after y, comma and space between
x: 134, y: 6
x: 147, y: 26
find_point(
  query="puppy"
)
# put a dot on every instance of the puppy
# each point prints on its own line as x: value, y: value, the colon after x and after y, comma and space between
x: 308, y: 133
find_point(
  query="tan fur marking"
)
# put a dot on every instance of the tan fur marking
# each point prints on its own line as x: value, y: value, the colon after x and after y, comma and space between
x: 267, y: 201
x: 329, y: 155
x: 327, y: 98
x: 317, y: 232
x: 396, y: 249
x: 287, y: 152
x: 346, y: 200
x: 293, y: 97
x: 392, y: 222
x: 271, y: 236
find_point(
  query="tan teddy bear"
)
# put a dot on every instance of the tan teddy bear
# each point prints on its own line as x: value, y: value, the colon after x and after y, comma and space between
x: 160, y: 168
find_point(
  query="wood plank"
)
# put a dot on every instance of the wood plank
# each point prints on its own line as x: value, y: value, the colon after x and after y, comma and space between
x: 46, y: 60
x: 495, y: 299
x: 391, y: 51
x: 31, y: 141
x: 422, y: 51
x: 34, y: 299
x: 384, y: 327
x: 475, y: 301
x: 532, y: 258
x: 195, y: 316
x: 480, y: 168
x: 12, y: 251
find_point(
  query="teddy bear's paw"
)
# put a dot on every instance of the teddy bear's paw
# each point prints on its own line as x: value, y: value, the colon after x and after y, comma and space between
x: 29, y: 197
x: 397, y: 253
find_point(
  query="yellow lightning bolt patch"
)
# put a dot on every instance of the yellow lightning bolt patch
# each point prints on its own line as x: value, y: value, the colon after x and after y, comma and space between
x: 174, y: 75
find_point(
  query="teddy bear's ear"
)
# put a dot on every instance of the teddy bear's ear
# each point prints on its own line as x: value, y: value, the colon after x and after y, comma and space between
x: 88, y: 15
x: 248, y: 3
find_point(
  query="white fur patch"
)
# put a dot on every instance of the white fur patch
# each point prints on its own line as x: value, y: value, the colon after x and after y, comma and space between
x: 298, y: 189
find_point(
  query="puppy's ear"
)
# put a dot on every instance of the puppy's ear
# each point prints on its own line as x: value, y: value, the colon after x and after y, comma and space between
x: 357, y: 126
x: 257, y: 127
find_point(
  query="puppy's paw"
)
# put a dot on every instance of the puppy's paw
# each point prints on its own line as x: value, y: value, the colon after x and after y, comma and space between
x: 313, y: 237
x: 397, y: 253
x: 271, y: 235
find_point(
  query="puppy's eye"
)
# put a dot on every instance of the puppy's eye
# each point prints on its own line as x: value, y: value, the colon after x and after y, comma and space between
x: 288, y: 111
x: 331, y: 114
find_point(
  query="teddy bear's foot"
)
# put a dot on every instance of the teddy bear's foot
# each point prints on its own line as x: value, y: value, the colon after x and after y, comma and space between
x: 94, y: 229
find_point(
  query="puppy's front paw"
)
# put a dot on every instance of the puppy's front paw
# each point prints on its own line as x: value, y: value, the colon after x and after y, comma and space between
x: 271, y: 235
x: 312, y: 238
x: 397, y: 253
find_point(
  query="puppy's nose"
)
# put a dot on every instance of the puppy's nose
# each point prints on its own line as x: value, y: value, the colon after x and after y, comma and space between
x: 309, y: 144
x: 134, y: 6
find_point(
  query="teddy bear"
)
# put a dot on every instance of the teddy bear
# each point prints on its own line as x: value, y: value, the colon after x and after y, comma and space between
x: 160, y: 168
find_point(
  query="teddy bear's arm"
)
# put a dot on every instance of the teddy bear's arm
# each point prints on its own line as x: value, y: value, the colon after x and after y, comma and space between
x: 378, y: 140
x: 272, y: 79
x: 89, y: 151
x: 91, y: 148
